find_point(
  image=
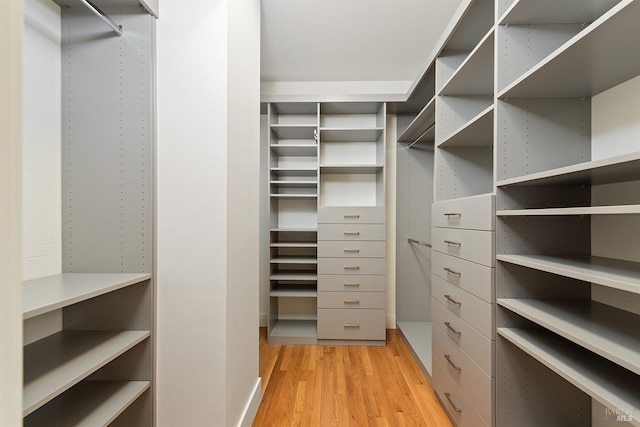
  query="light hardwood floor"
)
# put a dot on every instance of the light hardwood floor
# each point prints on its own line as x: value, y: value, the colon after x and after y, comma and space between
x: 305, y: 385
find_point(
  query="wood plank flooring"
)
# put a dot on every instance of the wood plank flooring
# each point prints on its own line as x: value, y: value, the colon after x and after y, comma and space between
x: 305, y: 385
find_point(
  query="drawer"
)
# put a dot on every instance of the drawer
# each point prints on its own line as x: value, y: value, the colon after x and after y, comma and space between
x: 475, y: 212
x: 472, y: 245
x: 477, y: 386
x: 355, y: 300
x: 352, y: 232
x: 454, y: 401
x: 342, y: 282
x: 476, y: 345
x: 352, y: 214
x: 351, y: 324
x: 351, y: 265
x: 341, y: 248
x: 476, y: 312
x: 474, y: 278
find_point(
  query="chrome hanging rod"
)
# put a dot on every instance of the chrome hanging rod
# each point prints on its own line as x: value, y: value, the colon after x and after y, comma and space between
x: 100, y: 14
x: 418, y: 242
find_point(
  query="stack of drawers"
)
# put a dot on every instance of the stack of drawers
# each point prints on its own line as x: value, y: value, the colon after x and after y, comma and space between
x: 463, y: 308
x: 351, y: 273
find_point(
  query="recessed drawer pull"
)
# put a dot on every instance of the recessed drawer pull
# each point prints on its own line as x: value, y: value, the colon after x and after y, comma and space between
x: 453, y: 365
x: 352, y: 267
x: 352, y: 284
x: 448, y: 214
x: 452, y: 301
x: 448, y: 325
x: 352, y: 215
x: 450, y: 271
x: 352, y: 301
x: 351, y: 325
x: 449, y: 242
x: 453, y: 405
x: 351, y: 233
x: 355, y: 251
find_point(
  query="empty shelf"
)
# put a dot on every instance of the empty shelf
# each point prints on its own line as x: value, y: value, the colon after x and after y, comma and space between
x: 294, y: 332
x: 524, y: 12
x: 294, y: 245
x: 609, y: 332
x: 295, y: 229
x: 477, y: 132
x: 622, y: 275
x: 294, y: 277
x: 294, y: 196
x: 294, y: 260
x: 88, y: 404
x: 295, y: 149
x: 350, y: 169
x: 475, y: 74
x: 54, y: 364
x: 292, y: 131
x: 294, y: 293
x: 586, y: 210
x: 54, y: 292
x: 350, y: 134
x: 292, y: 183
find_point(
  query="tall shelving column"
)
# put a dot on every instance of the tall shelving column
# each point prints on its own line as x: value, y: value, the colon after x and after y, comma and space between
x: 463, y: 220
x: 568, y: 276
x: 293, y: 193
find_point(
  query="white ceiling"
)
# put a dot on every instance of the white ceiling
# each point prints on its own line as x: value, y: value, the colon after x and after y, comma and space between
x: 350, y: 40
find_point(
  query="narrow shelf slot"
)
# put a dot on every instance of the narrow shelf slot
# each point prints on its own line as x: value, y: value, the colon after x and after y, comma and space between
x: 604, y: 381
x: 54, y: 364
x: 295, y: 196
x: 294, y: 260
x: 350, y: 169
x: 293, y: 183
x: 350, y: 134
x: 616, y: 274
x: 294, y: 131
x: 421, y: 123
x: 294, y: 229
x: 305, y: 150
x: 294, y: 293
x: 609, y: 332
x: 476, y: 132
x: 88, y: 404
x: 587, y: 210
x: 294, y: 276
x: 294, y: 245
x: 50, y: 293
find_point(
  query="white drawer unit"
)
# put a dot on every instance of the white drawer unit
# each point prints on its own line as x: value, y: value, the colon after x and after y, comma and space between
x: 351, y: 232
x: 351, y: 324
x: 352, y: 214
x: 472, y: 245
x: 475, y: 212
x: 341, y: 248
x: 476, y: 312
x: 350, y: 300
x: 351, y: 266
x: 351, y: 283
x: 472, y: 380
x: 474, y: 278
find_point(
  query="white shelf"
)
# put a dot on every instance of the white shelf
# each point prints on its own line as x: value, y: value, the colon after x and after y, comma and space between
x: 295, y: 196
x: 350, y: 169
x: 294, y: 131
x: 309, y: 277
x: 295, y: 229
x: 54, y: 364
x: 475, y: 75
x: 609, y: 384
x: 606, y: 171
x: 294, y: 260
x: 295, y: 329
x: 291, y: 170
x: 424, y: 121
x: 616, y: 274
x: 88, y: 404
x: 53, y: 292
x: 295, y: 149
x: 350, y: 134
x: 294, y: 245
x: 609, y: 332
x: 475, y: 133
x: 524, y: 12
x: 294, y: 293
x: 587, y: 210
x: 596, y: 59
x: 293, y: 183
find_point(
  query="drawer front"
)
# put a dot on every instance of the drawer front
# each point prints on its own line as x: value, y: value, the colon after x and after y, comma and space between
x: 474, y: 278
x: 454, y: 401
x: 476, y: 213
x: 476, y: 312
x: 477, y: 386
x: 472, y: 245
x: 351, y: 232
x: 341, y: 248
x: 351, y: 265
x: 476, y: 345
x: 352, y: 214
x: 360, y: 283
x: 355, y: 300
x: 351, y: 324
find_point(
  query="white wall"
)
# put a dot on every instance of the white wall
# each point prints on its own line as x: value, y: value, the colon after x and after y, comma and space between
x: 207, y: 214
x: 11, y: 33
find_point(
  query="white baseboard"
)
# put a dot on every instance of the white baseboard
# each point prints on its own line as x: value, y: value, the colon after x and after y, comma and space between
x: 264, y: 319
x: 251, y: 408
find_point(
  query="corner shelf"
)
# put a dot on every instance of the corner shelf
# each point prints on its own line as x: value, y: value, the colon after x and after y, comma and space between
x: 418, y: 129
x: 474, y: 133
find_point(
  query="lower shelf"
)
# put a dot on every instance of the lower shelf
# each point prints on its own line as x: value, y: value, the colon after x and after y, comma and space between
x: 418, y: 336
x: 88, y: 404
x: 294, y: 332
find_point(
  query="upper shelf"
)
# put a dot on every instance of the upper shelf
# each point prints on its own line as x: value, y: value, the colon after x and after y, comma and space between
x: 294, y: 131
x: 621, y: 168
x: 350, y: 134
x: 295, y: 149
x: 475, y: 75
x: 50, y: 293
x: 475, y: 133
x: 596, y: 59
x: 421, y: 124
x: 523, y: 12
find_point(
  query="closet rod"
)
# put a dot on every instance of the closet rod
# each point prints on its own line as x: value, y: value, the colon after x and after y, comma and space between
x: 100, y: 14
x: 410, y: 240
x: 417, y: 140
